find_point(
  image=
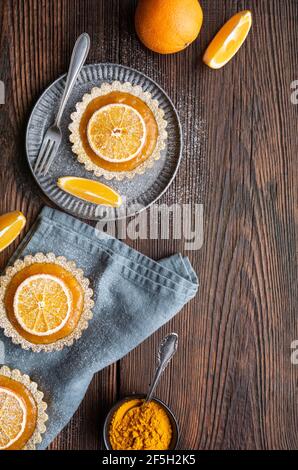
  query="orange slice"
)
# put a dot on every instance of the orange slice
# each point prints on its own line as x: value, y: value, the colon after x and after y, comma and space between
x: 42, y: 304
x: 13, y: 416
x: 11, y: 225
x: 90, y: 190
x: 228, y: 40
x: 116, y: 132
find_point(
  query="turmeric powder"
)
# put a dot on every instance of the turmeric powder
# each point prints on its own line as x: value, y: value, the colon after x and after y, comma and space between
x: 137, y: 425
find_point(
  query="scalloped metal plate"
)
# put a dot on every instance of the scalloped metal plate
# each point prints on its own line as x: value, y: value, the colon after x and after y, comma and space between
x: 141, y: 191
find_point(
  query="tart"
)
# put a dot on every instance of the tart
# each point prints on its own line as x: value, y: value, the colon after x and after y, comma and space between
x: 22, y: 411
x: 45, y: 302
x: 118, y: 130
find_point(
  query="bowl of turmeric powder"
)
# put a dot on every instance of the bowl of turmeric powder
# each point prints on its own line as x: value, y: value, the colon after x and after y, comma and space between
x: 133, y: 424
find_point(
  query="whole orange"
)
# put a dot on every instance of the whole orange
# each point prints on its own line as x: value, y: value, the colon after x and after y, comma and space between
x: 168, y: 26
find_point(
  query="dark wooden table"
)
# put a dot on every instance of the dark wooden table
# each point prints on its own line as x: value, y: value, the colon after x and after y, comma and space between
x: 232, y: 384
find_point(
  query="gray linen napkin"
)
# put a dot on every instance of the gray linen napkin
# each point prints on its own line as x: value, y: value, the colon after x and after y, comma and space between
x: 134, y: 296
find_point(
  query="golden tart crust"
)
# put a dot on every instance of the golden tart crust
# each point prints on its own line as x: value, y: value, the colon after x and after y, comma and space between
x: 131, y: 95
x: 32, y: 399
x: 78, y: 285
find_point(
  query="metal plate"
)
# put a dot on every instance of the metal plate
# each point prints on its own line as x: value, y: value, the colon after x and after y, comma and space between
x: 141, y: 191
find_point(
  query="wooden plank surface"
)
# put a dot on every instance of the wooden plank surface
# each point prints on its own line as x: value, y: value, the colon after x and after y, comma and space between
x: 231, y: 383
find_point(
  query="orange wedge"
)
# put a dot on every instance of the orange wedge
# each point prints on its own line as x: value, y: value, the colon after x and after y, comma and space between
x: 11, y: 224
x: 228, y: 40
x: 90, y: 190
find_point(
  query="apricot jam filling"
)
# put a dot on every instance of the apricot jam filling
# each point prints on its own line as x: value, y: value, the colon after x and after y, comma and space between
x: 76, y: 304
x: 147, y: 115
x: 29, y: 405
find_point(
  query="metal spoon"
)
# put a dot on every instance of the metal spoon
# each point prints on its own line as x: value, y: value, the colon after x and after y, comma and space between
x: 166, y: 351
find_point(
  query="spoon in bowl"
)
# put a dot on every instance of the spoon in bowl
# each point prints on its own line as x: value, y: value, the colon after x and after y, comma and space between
x: 166, y: 351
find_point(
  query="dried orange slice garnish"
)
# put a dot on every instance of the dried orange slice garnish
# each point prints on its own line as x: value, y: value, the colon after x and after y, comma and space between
x: 90, y: 190
x: 11, y: 225
x: 42, y: 304
x: 228, y: 40
x: 13, y: 417
x: 116, y: 132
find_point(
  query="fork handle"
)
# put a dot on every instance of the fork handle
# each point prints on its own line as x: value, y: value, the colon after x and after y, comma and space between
x: 78, y: 57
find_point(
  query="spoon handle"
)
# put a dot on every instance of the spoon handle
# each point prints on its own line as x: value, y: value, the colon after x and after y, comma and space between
x: 78, y: 57
x: 167, y: 349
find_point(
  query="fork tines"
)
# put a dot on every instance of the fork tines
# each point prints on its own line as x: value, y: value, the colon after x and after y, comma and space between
x: 45, y: 157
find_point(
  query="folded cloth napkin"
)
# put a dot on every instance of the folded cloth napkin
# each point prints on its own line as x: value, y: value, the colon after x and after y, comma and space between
x: 134, y: 296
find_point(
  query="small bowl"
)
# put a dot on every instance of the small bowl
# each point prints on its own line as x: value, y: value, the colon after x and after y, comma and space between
x: 173, y: 420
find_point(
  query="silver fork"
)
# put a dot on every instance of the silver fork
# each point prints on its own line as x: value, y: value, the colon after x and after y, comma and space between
x: 53, y: 135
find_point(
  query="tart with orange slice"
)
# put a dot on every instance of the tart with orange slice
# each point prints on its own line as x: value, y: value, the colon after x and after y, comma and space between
x: 22, y: 411
x: 118, y: 130
x: 45, y: 302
